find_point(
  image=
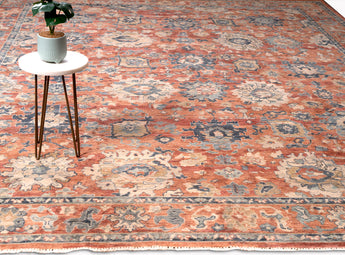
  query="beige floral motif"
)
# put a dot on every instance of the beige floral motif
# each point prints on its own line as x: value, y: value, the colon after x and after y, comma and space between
x: 240, y: 218
x: 129, y: 217
x: 267, y: 189
x: 240, y: 41
x: 271, y: 142
x: 53, y: 119
x: 126, y: 39
x: 261, y: 93
x: 254, y: 158
x: 322, y: 40
x: 314, y: 174
x: 141, y: 90
x: 130, y: 128
x: 202, y: 188
x: 338, y: 216
x: 194, y: 159
x: 134, y: 172
x: 46, y: 173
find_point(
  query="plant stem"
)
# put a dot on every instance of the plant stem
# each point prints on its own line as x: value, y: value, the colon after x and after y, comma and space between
x: 51, y: 29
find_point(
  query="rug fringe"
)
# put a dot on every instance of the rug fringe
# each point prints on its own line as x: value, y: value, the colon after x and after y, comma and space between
x: 169, y: 248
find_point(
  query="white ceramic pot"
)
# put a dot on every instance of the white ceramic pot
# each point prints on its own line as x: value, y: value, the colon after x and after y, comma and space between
x: 52, y: 49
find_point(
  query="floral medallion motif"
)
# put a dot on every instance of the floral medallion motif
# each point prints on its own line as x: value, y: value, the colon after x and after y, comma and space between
x: 129, y: 217
x: 287, y: 128
x: 261, y: 93
x: 134, y: 62
x: 181, y: 23
x: 336, y: 122
x: 129, y: 20
x: 246, y: 65
x: 134, y: 173
x: 204, y: 91
x: 49, y: 172
x: 240, y: 41
x: 265, y: 21
x: 9, y: 86
x: 271, y: 142
x: 337, y: 215
x: 126, y: 39
x: 220, y: 136
x: 193, y: 62
x: 141, y: 90
x: 240, y: 218
x: 307, y: 70
x: 322, y: 40
x: 283, y: 42
x: 129, y: 128
x: 312, y: 174
x: 11, y: 219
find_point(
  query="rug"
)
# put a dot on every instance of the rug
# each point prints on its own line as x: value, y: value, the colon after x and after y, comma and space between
x: 204, y: 125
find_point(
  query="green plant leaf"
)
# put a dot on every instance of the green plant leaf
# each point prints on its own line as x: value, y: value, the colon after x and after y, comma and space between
x: 67, y: 9
x: 47, y: 7
x: 58, y: 19
x: 36, y: 7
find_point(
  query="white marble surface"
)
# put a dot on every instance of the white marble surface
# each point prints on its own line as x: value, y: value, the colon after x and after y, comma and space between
x: 74, y: 62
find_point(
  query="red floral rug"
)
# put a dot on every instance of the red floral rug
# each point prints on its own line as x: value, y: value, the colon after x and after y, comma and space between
x: 204, y: 124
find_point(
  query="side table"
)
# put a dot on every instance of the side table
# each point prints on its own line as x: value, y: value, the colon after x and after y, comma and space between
x: 74, y: 62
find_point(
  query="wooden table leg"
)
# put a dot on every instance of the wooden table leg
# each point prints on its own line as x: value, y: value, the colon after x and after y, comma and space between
x: 75, y: 135
x: 39, y: 138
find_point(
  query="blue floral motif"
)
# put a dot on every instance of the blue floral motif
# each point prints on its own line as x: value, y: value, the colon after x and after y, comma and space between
x: 336, y: 122
x: 130, y: 128
x: 288, y: 128
x: 308, y: 70
x: 283, y: 42
x: 236, y: 190
x: 14, y: 219
x: 220, y: 136
x: 181, y: 23
x: 246, y: 65
x: 164, y: 139
x: 193, y: 62
x: 265, y: 21
x: 203, y: 91
x: 135, y: 169
x: 305, y: 116
x: 323, y: 93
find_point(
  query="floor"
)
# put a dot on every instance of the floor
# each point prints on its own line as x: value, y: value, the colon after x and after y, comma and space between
x: 338, y: 5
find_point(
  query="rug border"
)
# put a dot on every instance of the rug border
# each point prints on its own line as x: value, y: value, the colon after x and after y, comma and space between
x: 169, y: 248
x: 331, y: 8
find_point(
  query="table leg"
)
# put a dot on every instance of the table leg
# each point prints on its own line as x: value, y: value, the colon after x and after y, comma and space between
x: 75, y: 136
x: 36, y: 117
x: 39, y: 139
x: 76, y: 116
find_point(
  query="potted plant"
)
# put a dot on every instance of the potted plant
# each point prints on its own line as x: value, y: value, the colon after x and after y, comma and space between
x: 52, y: 45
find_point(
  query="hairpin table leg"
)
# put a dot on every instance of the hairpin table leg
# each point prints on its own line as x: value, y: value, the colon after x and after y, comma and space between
x: 36, y: 118
x: 75, y: 136
x: 76, y: 114
x: 39, y: 137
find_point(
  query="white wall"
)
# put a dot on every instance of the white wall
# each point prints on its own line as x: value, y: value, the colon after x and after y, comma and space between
x: 339, y: 5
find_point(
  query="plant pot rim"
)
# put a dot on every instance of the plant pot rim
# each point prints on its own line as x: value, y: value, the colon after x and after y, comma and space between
x: 46, y: 34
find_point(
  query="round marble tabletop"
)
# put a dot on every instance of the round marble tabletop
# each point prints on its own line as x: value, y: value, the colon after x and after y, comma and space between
x: 73, y: 62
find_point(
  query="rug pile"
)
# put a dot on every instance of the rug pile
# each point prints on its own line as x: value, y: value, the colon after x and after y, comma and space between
x: 204, y: 125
